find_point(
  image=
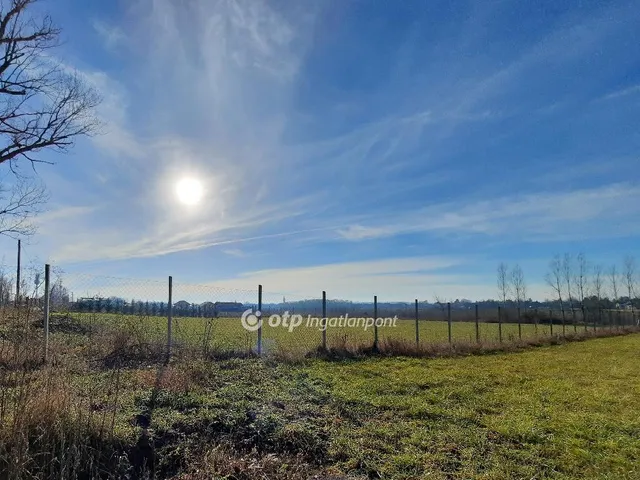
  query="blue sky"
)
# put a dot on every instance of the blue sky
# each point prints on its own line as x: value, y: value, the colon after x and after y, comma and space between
x: 401, y: 149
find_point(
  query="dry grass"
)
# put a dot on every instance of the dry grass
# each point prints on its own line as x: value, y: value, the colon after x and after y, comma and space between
x: 224, y: 462
x: 406, y: 348
x: 47, y: 430
x: 108, y: 404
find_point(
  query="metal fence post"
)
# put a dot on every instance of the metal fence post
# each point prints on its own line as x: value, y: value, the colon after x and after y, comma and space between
x: 519, y: 324
x: 18, y: 271
x: 170, y: 316
x: 375, y: 322
x: 551, y: 321
x: 500, y: 323
x: 324, y: 320
x: 47, y: 286
x: 417, y: 326
x: 449, y: 322
x: 564, y: 324
x: 259, y: 314
x: 477, y: 325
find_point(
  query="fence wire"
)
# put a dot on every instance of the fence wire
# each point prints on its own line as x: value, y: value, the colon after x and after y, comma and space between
x: 207, y: 319
x: 145, y: 319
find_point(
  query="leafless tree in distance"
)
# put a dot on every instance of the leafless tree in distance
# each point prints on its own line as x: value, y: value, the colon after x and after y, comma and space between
x: 598, y: 272
x: 629, y: 276
x: 568, y: 277
x: 442, y: 304
x: 554, y: 279
x: 581, y: 281
x: 519, y: 285
x: 613, y: 280
x: 520, y: 292
x: 504, y: 286
x: 43, y: 105
x: 6, y: 286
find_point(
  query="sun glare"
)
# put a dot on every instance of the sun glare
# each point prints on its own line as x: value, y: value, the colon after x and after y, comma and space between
x: 189, y: 191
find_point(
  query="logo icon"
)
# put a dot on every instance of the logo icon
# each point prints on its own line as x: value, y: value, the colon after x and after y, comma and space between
x: 251, y: 321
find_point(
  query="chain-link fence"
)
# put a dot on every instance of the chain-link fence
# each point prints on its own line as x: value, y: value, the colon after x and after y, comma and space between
x: 108, y: 316
x: 207, y: 319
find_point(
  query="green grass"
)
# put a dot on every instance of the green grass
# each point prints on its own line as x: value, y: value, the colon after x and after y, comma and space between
x: 224, y: 334
x: 560, y: 412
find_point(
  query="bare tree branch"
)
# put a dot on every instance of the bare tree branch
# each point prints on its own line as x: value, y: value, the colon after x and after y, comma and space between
x: 442, y: 304
x: 581, y: 281
x: 598, y: 273
x: 503, y: 283
x: 568, y: 274
x: 554, y: 280
x: 629, y: 275
x: 613, y: 279
x: 519, y: 285
x: 19, y: 203
x: 42, y: 105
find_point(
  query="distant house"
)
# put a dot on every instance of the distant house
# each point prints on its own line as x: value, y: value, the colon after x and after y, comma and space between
x: 181, y: 306
x: 228, y: 308
x: 208, y: 309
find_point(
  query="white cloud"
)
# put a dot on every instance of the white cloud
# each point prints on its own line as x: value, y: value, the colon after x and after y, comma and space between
x: 112, y: 36
x: 634, y: 89
x: 609, y: 211
x: 393, y: 279
x: 212, y: 97
x: 234, y: 252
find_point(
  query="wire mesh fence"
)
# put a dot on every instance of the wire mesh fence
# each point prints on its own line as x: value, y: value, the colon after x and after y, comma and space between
x: 207, y: 319
x: 151, y: 318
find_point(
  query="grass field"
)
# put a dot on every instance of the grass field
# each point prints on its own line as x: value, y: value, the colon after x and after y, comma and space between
x: 104, y: 407
x: 559, y: 412
x: 224, y: 334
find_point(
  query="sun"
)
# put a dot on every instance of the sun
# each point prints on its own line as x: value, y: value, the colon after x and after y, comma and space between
x: 189, y: 191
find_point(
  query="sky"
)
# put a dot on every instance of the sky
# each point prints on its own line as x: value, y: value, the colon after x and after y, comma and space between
x: 398, y: 149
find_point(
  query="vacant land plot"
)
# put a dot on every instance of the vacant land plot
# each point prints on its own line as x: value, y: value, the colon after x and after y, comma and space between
x: 108, y: 406
x: 558, y: 412
x: 226, y: 334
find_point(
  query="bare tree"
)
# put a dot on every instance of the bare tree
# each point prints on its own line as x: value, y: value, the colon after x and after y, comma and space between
x: 518, y: 284
x: 568, y: 277
x: 598, y: 272
x: 442, y: 304
x: 59, y: 294
x: 520, y: 292
x: 503, y: 283
x: 554, y: 280
x: 43, y: 105
x: 33, y: 278
x: 6, y: 287
x: 613, y: 279
x: 581, y: 281
x: 629, y: 276
x: 18, y: 205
